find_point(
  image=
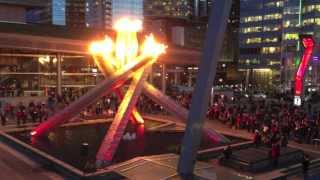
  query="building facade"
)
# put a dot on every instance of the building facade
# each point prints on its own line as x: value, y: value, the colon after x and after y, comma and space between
x: 269, y: 36
x: 69, y: 13
x: 99, y: 14
x: 20, y: 11
x: 103, y: 13
x: 127, y: 8
x: 169, y: 8
x: 75, y: 13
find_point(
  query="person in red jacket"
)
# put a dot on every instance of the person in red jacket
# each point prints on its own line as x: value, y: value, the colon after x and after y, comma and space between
x: 238, y: 121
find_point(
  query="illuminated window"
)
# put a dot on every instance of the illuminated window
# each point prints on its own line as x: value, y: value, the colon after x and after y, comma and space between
x: 270, y: 40
x: 279, y: 4
x: 249, y: 61
x: 271, y: 28
x: 274, y: 4
x: 309, y: 21
x: 272, y: 16
x: 251, y: 19
x: 251, y: 29
x: 270, y: 50
x: 253, y: 40
x: 291, y: 23
x: 274, y: 62
x: 291, y: 36
x: 311, y: 8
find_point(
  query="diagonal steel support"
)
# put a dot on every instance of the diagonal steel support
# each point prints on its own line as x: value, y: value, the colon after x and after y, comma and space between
x: 113, y: 137
x: 105, y: 87
x: 200, y: 99
x: 119, y: 92
x: 157, y: 96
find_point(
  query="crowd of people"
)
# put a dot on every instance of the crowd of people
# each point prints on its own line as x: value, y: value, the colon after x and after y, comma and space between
x: 272, y: 120
x: 38, y: 111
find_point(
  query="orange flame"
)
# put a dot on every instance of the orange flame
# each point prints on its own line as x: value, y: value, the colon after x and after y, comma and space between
x: 126, y: 47
x: 152, y: 48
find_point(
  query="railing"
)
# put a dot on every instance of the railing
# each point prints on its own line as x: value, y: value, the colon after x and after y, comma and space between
x: 297, y: 169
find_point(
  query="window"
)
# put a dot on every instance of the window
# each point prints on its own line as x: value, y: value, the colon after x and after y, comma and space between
x: 251, y: 29
x: 274, y: 4
x: 279, y: 4
x: 271, y: 40
x: 311, y: 8
x: 291, y: 10
x: 270, y: 50
x: 291, y: 36
x: 309, y: 21
x: 291, y: 23
x: 271, y: 28
x: 249, y: 61
x: 274, y: 62
x: 272, y: 16
x: 251, y: 19
x: 253, y: 40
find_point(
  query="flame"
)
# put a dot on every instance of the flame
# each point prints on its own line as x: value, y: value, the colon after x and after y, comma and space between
x: 103, y: 48
x: 152, y: 48
x: 126, y: 49
x: 128, y: 25
x: 127, y: 45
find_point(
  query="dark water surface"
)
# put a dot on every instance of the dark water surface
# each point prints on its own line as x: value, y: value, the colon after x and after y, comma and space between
x: 65, y: 143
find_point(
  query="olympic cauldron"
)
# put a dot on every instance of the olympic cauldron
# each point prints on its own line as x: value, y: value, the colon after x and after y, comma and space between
x: 121, y: 60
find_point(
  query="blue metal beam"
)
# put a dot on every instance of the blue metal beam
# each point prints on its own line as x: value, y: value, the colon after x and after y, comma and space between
x: 200, y: 100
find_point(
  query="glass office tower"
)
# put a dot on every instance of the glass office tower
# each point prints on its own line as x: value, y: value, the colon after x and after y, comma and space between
x: 269, y: 35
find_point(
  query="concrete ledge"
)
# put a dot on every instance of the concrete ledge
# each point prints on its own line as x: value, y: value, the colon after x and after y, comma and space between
x: 217, y: 151
x: 53, y: 163
x: 260, y: 160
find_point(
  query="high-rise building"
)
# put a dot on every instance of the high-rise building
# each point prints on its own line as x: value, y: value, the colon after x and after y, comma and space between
x: 75, y: 13
x: 54, y: 13
x: 69, y: 13
x: 269, y: 35
x: 99, y: 13
x: 169, y: 8
x: 190, y: 30
x: 102, y: 13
